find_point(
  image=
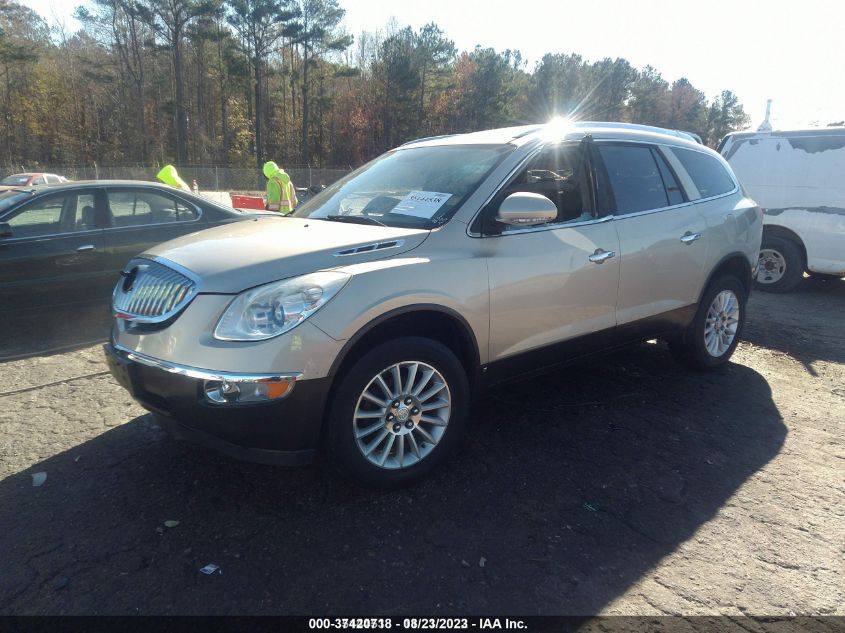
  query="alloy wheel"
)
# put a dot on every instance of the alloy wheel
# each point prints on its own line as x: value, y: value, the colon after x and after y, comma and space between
x: 402, y: 415
x: 721, y: 323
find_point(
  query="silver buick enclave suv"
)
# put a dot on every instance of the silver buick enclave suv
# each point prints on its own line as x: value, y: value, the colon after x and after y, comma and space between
x: 367, y: 321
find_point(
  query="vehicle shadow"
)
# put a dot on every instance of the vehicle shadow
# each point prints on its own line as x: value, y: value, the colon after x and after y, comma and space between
x: 799, y: 323
x: 27, y: 333
x: 568, y: 489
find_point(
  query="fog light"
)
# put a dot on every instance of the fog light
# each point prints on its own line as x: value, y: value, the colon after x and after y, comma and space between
x: 246, y: 392
x: 229, y: 389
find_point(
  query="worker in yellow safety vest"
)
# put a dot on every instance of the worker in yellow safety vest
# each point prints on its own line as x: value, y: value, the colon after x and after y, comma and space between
x: 281, y: 195
x: 169, y: 176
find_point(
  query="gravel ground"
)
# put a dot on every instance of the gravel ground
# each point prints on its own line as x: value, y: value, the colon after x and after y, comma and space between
x: 623, y: 485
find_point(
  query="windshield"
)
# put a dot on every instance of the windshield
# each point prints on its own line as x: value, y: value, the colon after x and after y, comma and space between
x: 416, y: 187
x: 19, y: 179
x: 11, y: 197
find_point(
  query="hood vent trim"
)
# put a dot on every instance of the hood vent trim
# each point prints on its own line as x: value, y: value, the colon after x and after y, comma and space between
x: 369, y: 248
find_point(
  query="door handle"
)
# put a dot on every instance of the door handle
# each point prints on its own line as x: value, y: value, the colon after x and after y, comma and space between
x: 86, y: 248
x: 601, y: 255
x: 688, y: 238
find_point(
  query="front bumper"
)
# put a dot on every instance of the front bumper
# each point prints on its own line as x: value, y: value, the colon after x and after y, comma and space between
x: 284, y: 431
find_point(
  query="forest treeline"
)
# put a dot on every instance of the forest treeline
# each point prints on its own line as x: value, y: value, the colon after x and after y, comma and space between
x: 235, y: 82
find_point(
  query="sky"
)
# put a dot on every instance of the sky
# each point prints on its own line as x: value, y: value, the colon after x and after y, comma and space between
x: 790, y: 52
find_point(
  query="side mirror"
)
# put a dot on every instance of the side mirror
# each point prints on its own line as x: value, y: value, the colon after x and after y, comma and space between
x: 526, y: 209
x: 5, y: 230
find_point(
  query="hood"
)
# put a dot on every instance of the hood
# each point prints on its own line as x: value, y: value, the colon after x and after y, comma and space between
x: 233, y: 257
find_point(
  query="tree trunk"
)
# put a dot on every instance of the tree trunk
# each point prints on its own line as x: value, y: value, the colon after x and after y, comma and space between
x: 259, y: 138
x: 197, y: 129
x: 283, y: 128
x: 320, y: 146
x: 10, y: 127
x: 181, y: 115
x: 421, y: 108
x: 142, y: 123
x: 305, y: 156
x: 224, y: 123
x: 224, y: 102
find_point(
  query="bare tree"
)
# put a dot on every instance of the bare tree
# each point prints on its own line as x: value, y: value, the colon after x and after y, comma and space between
x: 260, y: 25
x: 316, y: 30
x: 170, y: 18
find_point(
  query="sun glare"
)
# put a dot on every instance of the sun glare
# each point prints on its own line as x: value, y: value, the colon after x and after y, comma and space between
x: 557, y: 125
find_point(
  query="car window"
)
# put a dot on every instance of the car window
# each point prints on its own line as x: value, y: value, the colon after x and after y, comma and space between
x: 17, y: 179
x: 41, y: 217
x: 138, y: 208
x: 559, y: 174
x: 125, y: 209
x: 673, y: 189
x: 39, y: 180
x: 12, y: 197
x: 186, y: 213
x: 634, y: 178
x: 707, y: 172
x: 51, y: 179
x: 84, y: 219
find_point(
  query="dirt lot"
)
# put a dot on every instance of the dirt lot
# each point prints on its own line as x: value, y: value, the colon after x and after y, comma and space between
x: 622, y: 485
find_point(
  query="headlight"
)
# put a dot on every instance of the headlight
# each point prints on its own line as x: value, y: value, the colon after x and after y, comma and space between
x: 276, y: 308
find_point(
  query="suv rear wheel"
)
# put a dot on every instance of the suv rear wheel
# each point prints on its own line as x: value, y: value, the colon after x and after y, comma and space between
x: 714, y: 333
x: 398, y: 412
x: 781, y: 265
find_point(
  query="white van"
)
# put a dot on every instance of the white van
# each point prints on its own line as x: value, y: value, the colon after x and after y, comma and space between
x: 798, y: 178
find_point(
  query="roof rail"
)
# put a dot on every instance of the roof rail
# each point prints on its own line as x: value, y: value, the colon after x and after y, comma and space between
x: 425, y: 138
x: 528, y: 131
x: 690, y: 136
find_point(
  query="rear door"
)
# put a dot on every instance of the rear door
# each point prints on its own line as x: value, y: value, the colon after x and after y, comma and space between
x: 732, y: 220
x: 663, y: 258
x: 144, y: 217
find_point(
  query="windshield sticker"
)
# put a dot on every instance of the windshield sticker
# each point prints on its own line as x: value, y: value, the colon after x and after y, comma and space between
x: 421, y: 204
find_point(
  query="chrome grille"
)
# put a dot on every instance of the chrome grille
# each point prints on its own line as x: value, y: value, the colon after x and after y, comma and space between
x: 151, y: 292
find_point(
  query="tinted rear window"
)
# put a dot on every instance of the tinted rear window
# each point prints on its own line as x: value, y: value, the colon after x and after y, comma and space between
x: 634, y: 177
x: 708, y: 174
x: 673, y: 190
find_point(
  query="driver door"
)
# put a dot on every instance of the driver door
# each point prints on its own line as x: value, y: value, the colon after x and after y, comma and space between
x: 54, y: 286
x: 550, y: 285
x: 54, y: 255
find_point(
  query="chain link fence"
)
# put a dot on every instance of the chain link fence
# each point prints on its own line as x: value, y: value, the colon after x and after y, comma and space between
x: 208, y: 177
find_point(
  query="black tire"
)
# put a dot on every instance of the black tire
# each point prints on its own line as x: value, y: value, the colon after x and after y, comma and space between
x: 341, y: 439
x: 689, y: 348
x: 793, y: 259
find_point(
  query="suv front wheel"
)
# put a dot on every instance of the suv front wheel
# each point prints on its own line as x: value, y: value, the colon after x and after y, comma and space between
x: 398, y: 412
x: 712, y: 337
